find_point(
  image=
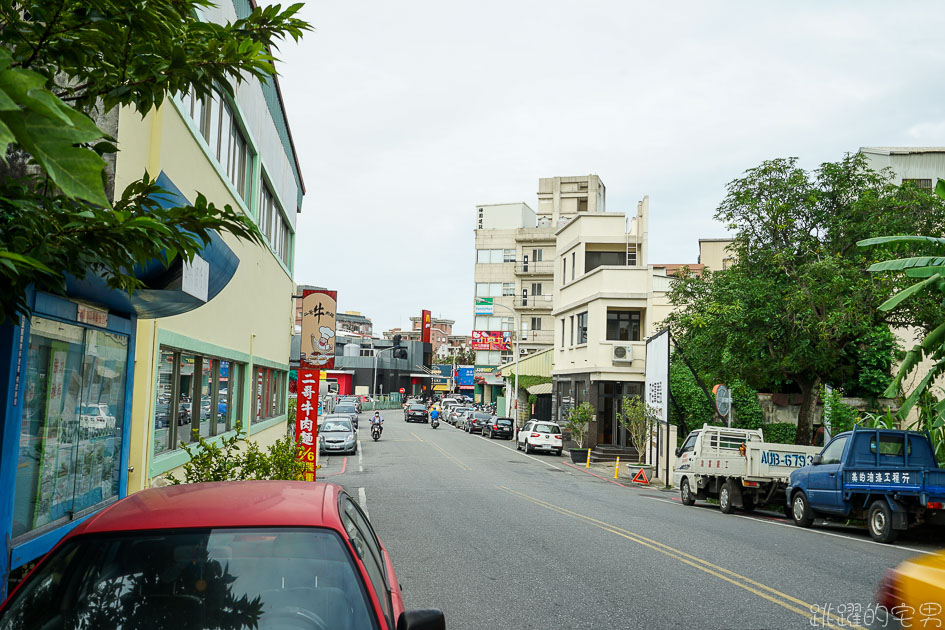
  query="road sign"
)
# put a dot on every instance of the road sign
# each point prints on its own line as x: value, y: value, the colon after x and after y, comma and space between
x: 723, y: 400
x: 402, y: 390
x: 640, y: 477
x: 484, y: 306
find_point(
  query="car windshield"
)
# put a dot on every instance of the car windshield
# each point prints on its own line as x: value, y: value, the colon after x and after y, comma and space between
x: 345, y: 409
x: 504, y: 422
x: 195, y: 580
x: 482, y: 416
x: 417, y: 408
x: 337, y: 425
x: 547, y: 428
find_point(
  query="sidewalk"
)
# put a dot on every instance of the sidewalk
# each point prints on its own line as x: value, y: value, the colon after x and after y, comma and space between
x: 605, y: 471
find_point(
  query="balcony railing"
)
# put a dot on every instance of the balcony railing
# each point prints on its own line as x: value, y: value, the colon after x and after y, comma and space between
x: 535, y: 268
x: 537, y: 336
x: 533, y: 302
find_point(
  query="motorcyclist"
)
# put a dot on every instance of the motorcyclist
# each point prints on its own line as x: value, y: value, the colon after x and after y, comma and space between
x: 435, y: 414
x: 377, y: 419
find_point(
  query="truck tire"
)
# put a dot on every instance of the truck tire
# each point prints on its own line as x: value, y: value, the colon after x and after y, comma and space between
x: 879, y: 522
x: 748, y: 503
x: 800, y: 510
x: 685, y: 492
x: 725, y: 498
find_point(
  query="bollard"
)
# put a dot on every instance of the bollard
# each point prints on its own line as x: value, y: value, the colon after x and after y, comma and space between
x: 588, y: 458
x: 617, y: 468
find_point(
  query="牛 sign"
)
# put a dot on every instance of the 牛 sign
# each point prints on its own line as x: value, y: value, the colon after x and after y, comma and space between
x: 318, y: 329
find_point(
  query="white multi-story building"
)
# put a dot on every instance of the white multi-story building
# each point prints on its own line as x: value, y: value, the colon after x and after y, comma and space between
x: 607, y: 301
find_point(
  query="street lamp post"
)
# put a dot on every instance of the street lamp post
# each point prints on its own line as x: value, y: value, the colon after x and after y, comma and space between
x: 374, y: 383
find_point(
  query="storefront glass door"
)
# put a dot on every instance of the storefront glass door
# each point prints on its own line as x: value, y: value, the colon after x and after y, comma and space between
x: 71, y: 426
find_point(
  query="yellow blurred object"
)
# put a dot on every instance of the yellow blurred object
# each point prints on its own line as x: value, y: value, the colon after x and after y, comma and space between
x: 914, y: 591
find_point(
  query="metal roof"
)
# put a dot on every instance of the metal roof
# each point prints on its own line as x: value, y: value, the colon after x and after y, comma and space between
x: 541, y: 388
x: 901, y: 150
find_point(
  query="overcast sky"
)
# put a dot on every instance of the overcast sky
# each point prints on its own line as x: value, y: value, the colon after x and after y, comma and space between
x: 407, y: 114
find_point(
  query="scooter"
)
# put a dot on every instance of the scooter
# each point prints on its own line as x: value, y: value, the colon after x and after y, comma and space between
x: 376, y: 431
x: 434, y: 422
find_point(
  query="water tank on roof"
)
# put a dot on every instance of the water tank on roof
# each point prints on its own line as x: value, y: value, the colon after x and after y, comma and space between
x: 544, y: 222
x: 352, y: 350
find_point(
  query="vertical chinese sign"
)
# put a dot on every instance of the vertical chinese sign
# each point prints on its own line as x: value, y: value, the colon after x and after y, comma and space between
x: 317, y: 353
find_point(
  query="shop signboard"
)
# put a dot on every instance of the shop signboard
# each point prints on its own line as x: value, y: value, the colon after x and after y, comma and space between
x: 318, y: 329
x: 465, y: 377
x: 306, y: 425
x: 491, y: 340
x: 484, y: 306
x: 427, y: 325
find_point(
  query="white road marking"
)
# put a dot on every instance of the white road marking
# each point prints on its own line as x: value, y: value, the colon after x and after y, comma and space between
x: 515, y: 450
x: 360, y: 457
x: 362, y: 501
x: 812, y: 530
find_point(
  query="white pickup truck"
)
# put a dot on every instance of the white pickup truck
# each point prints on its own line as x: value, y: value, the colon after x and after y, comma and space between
x: 737, y: 467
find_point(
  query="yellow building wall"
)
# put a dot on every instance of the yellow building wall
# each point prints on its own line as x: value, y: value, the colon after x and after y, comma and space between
x: 251, y: 317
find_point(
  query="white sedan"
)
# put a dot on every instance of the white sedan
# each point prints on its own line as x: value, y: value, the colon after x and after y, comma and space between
x: 536, y: 435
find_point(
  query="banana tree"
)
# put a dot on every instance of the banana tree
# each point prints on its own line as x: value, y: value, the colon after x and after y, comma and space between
x: 928, y: 270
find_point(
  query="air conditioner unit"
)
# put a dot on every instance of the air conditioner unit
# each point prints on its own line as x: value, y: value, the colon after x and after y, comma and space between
x: 623, y: 353
x: 522, y: 351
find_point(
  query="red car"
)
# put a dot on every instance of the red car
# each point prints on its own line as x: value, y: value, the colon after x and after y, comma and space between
x: 268, y: 555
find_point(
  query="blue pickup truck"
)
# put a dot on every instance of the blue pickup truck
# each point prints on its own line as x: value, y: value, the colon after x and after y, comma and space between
x: 887, y: 477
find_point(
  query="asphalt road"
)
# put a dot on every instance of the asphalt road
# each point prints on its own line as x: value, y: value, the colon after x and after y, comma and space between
x: 499, y: 539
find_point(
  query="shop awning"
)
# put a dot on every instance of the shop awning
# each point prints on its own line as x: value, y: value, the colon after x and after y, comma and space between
x: 541, y: 388
x: 421, y: 375
x: 164, y: 293
x: 494, y: 380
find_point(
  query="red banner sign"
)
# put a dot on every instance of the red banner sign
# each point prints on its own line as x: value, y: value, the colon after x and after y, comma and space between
x: 306, y: 420
x: 425, y: 330
x: 491, y: 340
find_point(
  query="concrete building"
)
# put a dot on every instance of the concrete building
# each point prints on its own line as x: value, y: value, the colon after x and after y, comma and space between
x: 455, y: 345
x: 566, y: 197
x: 514, y: 268
x: 607, y: 301
x: 440, y: 330
x: 355, y: 323
x: 922, y: 166
x: 715, y: 254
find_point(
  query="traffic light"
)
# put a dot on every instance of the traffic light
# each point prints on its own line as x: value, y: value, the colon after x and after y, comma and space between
x: 399, y: 351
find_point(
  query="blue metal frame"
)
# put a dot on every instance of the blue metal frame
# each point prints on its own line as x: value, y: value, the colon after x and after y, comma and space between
x: 52, y: 307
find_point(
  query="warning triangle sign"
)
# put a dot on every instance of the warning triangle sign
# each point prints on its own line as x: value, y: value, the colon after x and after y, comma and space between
x: 640, y: 477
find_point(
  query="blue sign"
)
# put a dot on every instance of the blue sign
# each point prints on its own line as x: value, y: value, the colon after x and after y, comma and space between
x: 466, y: 376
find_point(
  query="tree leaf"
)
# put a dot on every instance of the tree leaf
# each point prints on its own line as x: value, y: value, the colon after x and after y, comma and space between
x: 901, y: 264
x: 894, y: 301
x: 882, y: 240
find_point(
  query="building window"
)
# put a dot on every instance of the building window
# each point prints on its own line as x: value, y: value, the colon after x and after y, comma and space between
x: 919, y: 183
x: 536, y: 255
x: 508, y: 289
x: 270, y: 394
x: 72, y: 423
x: 367, y: 351
x: 623, y: 325
x: 195, y: 393
x: 564, y: 270
x: 536, y: 288
x: 572, y: 330
x: 582, y: 327
x: 508, y: 255
x: 220, y: 128
x: 573, y: 263
x: 593, y: 260
x: 536, y: 323
x: 506, y: 323
x: 491, y: 256
x: 272, y: 223
x: 562, y: 332
x: 488, y: 289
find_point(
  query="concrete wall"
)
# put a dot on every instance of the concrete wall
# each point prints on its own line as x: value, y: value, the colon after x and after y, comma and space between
x: 715, y: 253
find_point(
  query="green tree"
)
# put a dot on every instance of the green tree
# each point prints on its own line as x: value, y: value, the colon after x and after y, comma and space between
x: 797, y: 302
x: 65, y: 64
x: 579, y: 419
x: 638, y: 418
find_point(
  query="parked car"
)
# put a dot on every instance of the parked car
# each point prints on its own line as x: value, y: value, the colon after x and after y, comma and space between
x: 462, y: 419
x: 887, y: 477
x: 454, y: 414
x: 499, y: 427
x: 477, y: 420
x: 295, y: 554
x: 415, y: 413
x: 910, y: 587
x: 347, y: 409
x: 537, y: 435
x: 337, y: 435
x: 354, y: 400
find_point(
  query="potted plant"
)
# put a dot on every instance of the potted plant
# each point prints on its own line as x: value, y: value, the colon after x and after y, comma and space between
x: 638, y: 418
x: 579, y: 418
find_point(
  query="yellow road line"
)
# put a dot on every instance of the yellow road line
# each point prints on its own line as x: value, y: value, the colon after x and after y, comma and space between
x: 722, y: 573
x: 459, y: 463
